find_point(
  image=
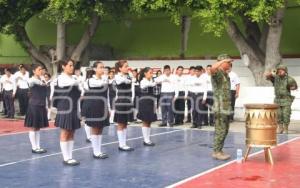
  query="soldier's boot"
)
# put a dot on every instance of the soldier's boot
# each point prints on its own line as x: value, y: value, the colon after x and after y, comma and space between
x: 280, y: 129
x: 220, y: 156
x: 286, y: 129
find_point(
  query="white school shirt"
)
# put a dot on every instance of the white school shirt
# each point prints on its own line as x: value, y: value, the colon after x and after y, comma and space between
x: 199, y: 85
x: 234, y: 80
x: 180, y: 84
x: 147, y: 83
x: 122, y: 78
x: 96, y: 82
x: 188, y: 83
x: 8, y: 83
x: 22, y: 80
x: 208, y: 81
x: 65, y: 80
x: 168, y: 83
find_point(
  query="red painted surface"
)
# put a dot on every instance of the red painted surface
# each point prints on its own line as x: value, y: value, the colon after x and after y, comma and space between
x: 255, y: 173
x: 14, y: 126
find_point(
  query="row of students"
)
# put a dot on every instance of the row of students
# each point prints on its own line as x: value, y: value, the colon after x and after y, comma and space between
x: 67, y: 91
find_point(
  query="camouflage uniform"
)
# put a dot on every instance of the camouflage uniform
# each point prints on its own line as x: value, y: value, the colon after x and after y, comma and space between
x: 283, y: 95
x: 221, y: 108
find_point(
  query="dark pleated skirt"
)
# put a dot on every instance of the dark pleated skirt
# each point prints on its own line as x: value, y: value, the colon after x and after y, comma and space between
x: 69, y: 121
x: 123, y: 111
x: 94, y: 113
x: 147, y: 109
x: 36, y: 117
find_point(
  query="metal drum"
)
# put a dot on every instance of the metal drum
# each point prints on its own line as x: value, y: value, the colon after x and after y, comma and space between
x: 261, y: 125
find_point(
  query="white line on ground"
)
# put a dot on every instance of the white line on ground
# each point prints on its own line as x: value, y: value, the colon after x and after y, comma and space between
x: 221, y: 166
x: 58, y: 153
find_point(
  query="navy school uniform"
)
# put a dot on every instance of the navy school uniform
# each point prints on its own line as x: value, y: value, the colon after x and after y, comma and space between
x: 36, y: 116
x: 123, y: 102
x: 67, y: 92
x: 147, y: 100
x: 95, y: 102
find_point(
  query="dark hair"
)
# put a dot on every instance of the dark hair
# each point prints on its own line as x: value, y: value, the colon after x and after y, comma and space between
x: 96, y: 63
x: 108, y: 68
x: 89, y: 73
x: 167, y: 67
x: 199, y: 68
x: 77, y: 65
x: 143, y: 72
x: 62, y: 63
x: 48, y: 74
x: 21, y: 66
x: 8, y: 70
x: 35, y: 66
x: 192, y: 67
x: 208, y: 66
x: 119, y: 65
x: 179, y: 67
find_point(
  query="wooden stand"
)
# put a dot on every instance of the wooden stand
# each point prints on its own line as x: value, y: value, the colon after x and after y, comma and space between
x: 268, y: 154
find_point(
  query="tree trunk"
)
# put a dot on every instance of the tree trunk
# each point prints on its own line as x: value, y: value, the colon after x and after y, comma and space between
x: 60, y: 45
x: 30, y: 48
x: 273, y: 55
x: 185, y: 28
x: 252, y: 49
x: 85, y: 39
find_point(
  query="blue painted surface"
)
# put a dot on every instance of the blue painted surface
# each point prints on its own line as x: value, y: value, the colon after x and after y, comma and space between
x: 178, y: 154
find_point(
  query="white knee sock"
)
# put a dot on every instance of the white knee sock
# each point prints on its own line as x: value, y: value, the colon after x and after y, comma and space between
x: 145, y: 134
x: 120, y: 138
x: 149, y: 133
x: 49, y: 113
x: 64, y: 150
x: 95, y: 144
x: 111, y: 119
x: 38, y: 138
x: 87, y: 131
x: 124, y: 136
x: 32, y: 139
x: 70, y: 148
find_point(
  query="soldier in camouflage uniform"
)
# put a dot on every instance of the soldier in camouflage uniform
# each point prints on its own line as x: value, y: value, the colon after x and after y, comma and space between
x: 222, y: 103
x: 283, y: 84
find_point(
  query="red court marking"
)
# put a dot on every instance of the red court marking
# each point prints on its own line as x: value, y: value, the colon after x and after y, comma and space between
x: 14, y: 126
x: 255, y: 173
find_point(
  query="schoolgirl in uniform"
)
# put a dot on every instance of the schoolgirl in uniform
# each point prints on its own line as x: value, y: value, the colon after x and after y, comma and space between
x: 95, y: 107
x: 36, y: 115
x: 47, y: 79
x: 67, y: 93
x: 146, y: 103
x: 123, y: 103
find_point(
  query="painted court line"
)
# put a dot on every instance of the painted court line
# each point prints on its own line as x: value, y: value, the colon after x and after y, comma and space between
x: 223, y: 165
x: 54, y: 154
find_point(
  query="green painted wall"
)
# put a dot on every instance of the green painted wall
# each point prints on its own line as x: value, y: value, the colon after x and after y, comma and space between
x: 150, y: 37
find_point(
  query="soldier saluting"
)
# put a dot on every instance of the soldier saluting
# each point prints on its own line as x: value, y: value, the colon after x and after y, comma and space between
x: 283, y: 84
x: 222, y: 103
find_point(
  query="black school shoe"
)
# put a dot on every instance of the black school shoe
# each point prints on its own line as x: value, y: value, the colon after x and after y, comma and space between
x: 71, y: 162
x: 101, y: 156
x: 38, y: 151
x: 149, y: 144
x: 126, y: 149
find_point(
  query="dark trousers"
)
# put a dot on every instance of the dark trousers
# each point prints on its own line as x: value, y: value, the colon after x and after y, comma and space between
x: 233, y: 98
x: 179, y: 108
x: 23, y: 100
x: 198, y: 109
x: 166, y: 103
x: 189, y: 107
x: 9, y: 103
x: 209, y: 116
